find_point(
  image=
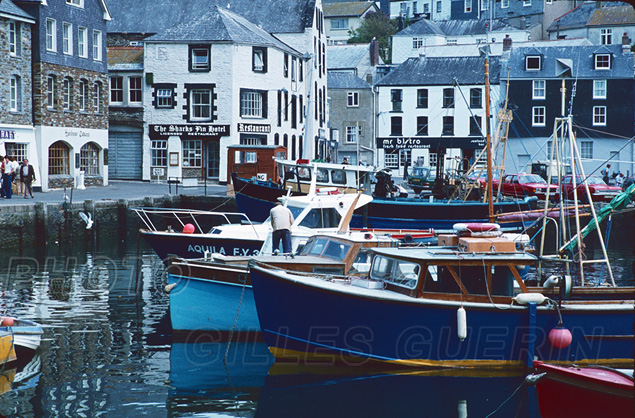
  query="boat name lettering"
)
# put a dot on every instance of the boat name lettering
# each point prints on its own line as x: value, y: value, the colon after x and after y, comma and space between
x: 201, y: 249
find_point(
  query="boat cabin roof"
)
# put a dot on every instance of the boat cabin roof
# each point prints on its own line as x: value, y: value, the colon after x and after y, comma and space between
x: 450, y: 255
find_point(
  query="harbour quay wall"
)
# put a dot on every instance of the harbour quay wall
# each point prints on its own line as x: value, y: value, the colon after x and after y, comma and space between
x: 38, y: 224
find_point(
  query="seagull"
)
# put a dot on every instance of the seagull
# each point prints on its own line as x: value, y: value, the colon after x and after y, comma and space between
x: 86, y: 218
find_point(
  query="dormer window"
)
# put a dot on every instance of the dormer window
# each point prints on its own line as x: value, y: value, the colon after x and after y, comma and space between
x: 533, y: 63
x: 602, y: 61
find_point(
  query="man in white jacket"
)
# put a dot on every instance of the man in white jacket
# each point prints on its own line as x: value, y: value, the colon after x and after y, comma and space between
x: 281, y: 221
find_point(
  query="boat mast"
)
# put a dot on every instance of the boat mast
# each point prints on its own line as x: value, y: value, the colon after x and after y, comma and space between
x: 490, y: 195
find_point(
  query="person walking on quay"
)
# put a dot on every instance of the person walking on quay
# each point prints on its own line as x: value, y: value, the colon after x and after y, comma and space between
x: 281, y: 221
x: 7, y: 178
x: 27, y: 176
x: 605, y: 173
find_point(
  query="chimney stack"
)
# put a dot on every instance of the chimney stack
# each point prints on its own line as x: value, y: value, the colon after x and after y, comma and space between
x: 626, y: 43
x: 507, y: 43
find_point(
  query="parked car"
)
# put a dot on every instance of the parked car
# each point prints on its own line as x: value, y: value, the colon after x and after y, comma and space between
x: 600, y: 191
x: 421, y: 178
x: 521, y: 185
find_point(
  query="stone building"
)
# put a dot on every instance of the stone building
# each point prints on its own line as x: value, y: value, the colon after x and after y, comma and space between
x: 17, y: 135
x: 70, y: 82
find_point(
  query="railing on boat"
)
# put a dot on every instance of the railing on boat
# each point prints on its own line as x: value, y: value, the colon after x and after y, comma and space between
x: 185, y: 216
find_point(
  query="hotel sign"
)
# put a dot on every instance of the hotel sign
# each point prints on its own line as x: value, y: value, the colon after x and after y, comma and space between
x: 254, y: 128
x: 188, y: 131
x: 432, y: 143
x: 6, y: 134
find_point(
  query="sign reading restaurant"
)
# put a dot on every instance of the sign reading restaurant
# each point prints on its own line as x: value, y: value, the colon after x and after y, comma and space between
x: 254, y: 128
x: 188, y: 131
x: 392, y: 143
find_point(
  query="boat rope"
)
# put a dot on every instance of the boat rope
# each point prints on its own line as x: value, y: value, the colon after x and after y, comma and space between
x: 489, y: 294
x: 508, y: 399
x: 231, y: 334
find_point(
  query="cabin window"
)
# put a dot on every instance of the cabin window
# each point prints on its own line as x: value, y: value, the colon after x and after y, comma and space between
x: 322, y: 175
x: 393, y: 271
x: 317, y: 246
x: 319, y: 218
x: 362, y: 262
x: 304, y: 173
x: 338, y: 177
x: 336, y: 250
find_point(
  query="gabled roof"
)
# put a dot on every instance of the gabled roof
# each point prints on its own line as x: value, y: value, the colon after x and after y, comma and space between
x: 442, y: 72
x: 154, y: 16
x: 348, y: 9
x: 346, y: 56
x: 345, y: 81
x: 9, y: 10
x: 220, y: 25
x: 455, y: 27
x: 580, y: 59
x: 574, y: 19
x: 609, y: 16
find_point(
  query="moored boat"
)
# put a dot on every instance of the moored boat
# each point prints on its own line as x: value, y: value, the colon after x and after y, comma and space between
x: 437, y: 307
x: 7, y: 348
x: 26, y: 333
x: 575, y: 391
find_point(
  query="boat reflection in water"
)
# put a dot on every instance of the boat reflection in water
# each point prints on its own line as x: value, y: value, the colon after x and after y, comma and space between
x: 315, y: 391
x: 208, y: 375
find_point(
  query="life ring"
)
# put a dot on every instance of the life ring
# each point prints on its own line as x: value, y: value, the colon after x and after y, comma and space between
x: 476, y: 227
x: 327, y: 190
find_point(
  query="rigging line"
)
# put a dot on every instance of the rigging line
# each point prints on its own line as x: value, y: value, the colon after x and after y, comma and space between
x: 575, y: 85
x: 603, y: 132
x: 516, y: 117
x: 473, y: 116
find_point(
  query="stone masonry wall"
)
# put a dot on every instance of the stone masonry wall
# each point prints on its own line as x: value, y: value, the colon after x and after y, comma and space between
x: 20, y: 65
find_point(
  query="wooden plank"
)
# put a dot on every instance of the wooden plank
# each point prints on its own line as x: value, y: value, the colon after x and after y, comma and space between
x: 457, y: 280
x: 519, y: 280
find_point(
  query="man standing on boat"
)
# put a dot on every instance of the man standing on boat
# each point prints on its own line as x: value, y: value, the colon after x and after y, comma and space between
x: 281, y: 221
x: 605, y: 173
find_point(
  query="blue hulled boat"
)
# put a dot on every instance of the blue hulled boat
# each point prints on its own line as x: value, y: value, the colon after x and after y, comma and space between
x: 438, y: 307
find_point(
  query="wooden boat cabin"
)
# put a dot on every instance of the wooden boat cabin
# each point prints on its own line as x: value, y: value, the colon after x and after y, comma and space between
x: 296, y: 175
x: 254, y: 161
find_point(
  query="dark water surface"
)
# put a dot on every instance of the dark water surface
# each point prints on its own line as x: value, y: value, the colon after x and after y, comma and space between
x: 108, y: 350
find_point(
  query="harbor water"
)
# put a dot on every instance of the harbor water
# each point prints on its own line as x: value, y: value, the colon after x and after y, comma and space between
x: 108, y: 350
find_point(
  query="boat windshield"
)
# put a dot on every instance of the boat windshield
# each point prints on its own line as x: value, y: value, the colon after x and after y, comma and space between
x: 394, y: 271
x: 317, y: 218
x: 327, y: 248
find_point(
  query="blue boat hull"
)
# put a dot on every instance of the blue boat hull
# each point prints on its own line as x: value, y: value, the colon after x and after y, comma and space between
x: 256, y: 199
x: 195, y: 245
x: 208, y: 305
x: 299, y: 320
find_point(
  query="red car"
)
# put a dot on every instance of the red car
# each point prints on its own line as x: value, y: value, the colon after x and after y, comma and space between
x: 521, y: 185
x: 600, y: 191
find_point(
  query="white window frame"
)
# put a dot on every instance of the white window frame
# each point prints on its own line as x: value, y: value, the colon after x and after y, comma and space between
x: 192, y: 153
x: 82, y: 42
x: 165, y: 98
x: 599, y: 115
x: 606, y: 36
x: 586, y: 150
x: 97, y: 97
x: 602, y: 61
x: 548, y: 1
x: 251, y: 104
x: 467, y: 6
x: 391, y: 160
x: 50, y: 92
x: 531, y: 57
x: 539, y: 90
x: 118, y: 89
x: 539, y: 116
x: 67, y: 38
x: 13, y: 38
x: 526, y: 3
x: 97, y: 55
x: 83, y: 95
x: 417, y: 43
x: 15, y: 94
x: 352, y: 99
x: 159, y: 153
x: 135, y: 89
x: 67, y: 93
x: 199, y: 65
x: 76, y: 3
x: 51, y: 35
x: 351, y: 134
x: 339, y: 24
x: 599, y: 89
x: 199, y: 107
x: 484, y: 5
x: 504, y: 4
x: 439, y: 6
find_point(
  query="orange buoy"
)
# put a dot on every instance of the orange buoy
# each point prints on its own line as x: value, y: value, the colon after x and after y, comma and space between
x: 188, y: 228
x: 7, y: 321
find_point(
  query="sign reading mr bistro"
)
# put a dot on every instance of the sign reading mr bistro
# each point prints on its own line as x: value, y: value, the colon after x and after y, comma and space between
x: 188, y: 131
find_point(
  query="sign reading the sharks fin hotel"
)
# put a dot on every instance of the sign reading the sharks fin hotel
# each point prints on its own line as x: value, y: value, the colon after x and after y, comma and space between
x: 188, y: 131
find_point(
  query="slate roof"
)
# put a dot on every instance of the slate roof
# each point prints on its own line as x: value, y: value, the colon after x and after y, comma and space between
x: 455, y: 27
x: 576, y: 18
x: 346, y: 56
x: 7, y: 7
x: 580, y: 58
x: 220, y: 25
x: 608, y: 16
x: 345, y: 81
x: 153, y: 16
x: 496, y: 49
x: 442, y: 72
x: 125, y: 58
x: 348, y: 9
